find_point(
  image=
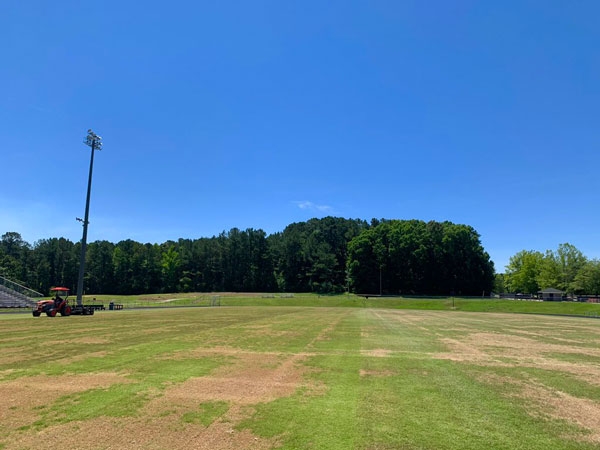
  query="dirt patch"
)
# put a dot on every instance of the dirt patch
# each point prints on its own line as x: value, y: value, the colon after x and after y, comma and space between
x: 251, y: 378
x: 248, y: 378
x: 167, y: 432
x: 20, y: 399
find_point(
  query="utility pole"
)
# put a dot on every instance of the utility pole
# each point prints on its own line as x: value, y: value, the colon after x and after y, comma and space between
x: 95, y: 142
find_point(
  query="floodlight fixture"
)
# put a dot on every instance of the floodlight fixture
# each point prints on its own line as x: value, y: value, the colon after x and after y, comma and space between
x: 95, y: 142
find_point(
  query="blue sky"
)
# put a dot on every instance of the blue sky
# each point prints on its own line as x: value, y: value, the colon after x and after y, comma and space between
x: 259, y: 114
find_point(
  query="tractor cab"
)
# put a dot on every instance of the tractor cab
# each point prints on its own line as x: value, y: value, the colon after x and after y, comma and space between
x: 57, y: 304
x: 59, y: 293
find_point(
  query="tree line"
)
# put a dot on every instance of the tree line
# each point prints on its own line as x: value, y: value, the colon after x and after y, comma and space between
x: 567, y: 269
x: 325, y: 255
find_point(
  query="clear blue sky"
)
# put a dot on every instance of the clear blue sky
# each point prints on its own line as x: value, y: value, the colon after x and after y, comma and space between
x: 257, y: 114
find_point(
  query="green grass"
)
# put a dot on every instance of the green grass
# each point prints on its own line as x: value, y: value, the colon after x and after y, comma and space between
x: 368, y: 378
x: 404, y: 401
x: 344, y: 300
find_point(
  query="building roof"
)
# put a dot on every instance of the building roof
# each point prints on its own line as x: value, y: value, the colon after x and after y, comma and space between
x: 550, y: 291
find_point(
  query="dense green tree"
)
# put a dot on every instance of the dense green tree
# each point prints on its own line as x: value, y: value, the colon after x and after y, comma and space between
x: 549, y: 275
x: 14, y: 254
x: 560, y: 268
x: 413, y: 257
x: 125, y: 284
x: 366, y: 262
x: 145, y: 264
x: 587, y: 280
x: 499, y: 283
x: 170, y: 263
x: 320, y: 255
x: 260, y: 276
x: 532, y: 271
x: 570, y: 262
x: 523, y: 272
x: 99, y: 267
x: 311, y: 256
x: 56, y: 263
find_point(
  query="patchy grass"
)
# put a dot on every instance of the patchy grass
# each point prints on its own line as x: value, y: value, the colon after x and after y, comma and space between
x: 207, y: 413
x: 300, y: 378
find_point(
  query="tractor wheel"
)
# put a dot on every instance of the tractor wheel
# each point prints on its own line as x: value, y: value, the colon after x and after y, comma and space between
x: 36, y: 313
x: 92, y: 311
x: 51, y: 313
x: 66, y: 311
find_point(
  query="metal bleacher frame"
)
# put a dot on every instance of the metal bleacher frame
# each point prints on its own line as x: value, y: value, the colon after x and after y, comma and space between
x: 15, y: 295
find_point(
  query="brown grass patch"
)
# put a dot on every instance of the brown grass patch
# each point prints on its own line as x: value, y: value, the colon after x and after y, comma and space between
x: 512, y: 351
x: 141, y: 433
x: 378, y: 353
x: 546, y: 403
x: 14, y: 354
x: 558, y: 405
x: 92, y: 340
x: 12, y: 359
x: 375, y: 373
x: 251, y: 378
x: 20, y: 398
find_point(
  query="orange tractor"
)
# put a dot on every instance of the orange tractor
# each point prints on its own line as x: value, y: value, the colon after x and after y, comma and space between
x: 59, y: 304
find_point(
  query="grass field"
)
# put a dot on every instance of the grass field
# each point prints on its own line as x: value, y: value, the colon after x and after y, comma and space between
x: 473, y: 304
x: 299, y: 378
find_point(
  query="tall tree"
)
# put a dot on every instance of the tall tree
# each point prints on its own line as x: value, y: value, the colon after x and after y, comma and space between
x: 523, y: 272
x: 99, y: 267
x: 311, y: 256
x: 570, y: 261
x: 500, y: 283
x: 414, y: 257
x: 171, y: 262
x: 559, y: 269
x: 587, y: 280
x: 14, y: 253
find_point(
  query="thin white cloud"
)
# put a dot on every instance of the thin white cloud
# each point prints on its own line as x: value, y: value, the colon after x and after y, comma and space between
x: 310, y: 206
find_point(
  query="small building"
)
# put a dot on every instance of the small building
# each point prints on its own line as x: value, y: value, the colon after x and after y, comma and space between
x: 551, y: 295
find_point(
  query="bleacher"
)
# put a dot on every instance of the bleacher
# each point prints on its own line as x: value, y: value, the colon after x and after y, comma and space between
x: 14, y: 295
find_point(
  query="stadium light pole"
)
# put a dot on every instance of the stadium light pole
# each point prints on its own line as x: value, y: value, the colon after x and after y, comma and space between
x: 95, y: 142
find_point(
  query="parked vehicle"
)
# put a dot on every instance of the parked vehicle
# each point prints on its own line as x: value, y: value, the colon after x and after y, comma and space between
x: 59, y: 304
